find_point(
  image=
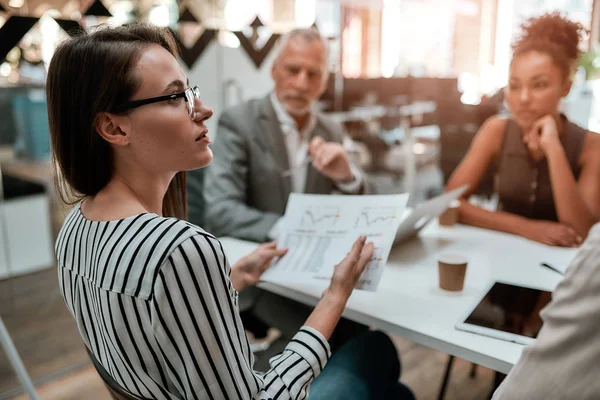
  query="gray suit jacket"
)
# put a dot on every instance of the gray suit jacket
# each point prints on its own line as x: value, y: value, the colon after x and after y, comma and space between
x: 564, y: 361
x: 244, y: 191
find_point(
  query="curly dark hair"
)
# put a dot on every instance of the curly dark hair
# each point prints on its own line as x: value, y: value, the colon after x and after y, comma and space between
x: 551, y: 34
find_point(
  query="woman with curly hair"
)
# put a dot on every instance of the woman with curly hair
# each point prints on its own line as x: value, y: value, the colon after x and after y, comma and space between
x: 547, y: 169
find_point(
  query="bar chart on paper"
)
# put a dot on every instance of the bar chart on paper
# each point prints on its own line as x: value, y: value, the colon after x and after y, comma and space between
x: 373, y: 271
x: 306, y: 253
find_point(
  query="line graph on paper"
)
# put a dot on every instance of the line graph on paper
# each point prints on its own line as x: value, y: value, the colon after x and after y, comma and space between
x: 371, y: 217
x: 320, y: 217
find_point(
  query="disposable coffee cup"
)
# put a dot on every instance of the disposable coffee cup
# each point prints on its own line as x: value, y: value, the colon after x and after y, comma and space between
x: 452, y: 269
x: 450, y: 216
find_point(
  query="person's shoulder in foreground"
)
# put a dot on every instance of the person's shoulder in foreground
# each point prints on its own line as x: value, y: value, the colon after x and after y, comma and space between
x: 563, y: 363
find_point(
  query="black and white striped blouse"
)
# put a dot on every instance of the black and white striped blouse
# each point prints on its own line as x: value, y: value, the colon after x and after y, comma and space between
x: 153, y: 301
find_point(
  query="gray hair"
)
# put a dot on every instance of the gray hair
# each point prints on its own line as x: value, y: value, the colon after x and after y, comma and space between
x: 308, y: 35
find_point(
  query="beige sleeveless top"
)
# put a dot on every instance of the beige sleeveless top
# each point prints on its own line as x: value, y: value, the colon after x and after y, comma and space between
x: 523, y: 185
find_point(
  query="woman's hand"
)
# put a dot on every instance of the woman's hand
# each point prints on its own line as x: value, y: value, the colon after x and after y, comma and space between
x: 552, y: 233
x: 542, y: 136
x: 346, y: 273
x: 327, y: 313
x: 248, y: 270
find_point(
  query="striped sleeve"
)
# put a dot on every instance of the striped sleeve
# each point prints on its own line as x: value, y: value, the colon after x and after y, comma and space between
x: 201, y: 338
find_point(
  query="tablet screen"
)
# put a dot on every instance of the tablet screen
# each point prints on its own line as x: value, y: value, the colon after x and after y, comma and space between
x: 512, y: 309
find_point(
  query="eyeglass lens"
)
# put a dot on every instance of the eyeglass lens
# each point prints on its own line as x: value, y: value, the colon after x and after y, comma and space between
x: 191, y: 95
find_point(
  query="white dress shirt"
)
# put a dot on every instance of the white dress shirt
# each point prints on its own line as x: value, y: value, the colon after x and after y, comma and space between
x: 296, y: 143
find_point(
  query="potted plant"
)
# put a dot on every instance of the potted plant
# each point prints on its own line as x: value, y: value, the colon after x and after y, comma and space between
x: 590, y: 63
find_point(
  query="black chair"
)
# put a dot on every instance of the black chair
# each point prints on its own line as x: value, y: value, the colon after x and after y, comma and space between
x: 498, y: 378
x: 455, y: 141
x: 116, y: 391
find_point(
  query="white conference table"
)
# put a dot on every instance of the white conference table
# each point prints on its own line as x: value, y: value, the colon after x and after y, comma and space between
x: 409, y: 303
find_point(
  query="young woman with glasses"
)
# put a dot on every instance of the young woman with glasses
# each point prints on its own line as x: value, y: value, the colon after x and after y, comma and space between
x: 154, y: 297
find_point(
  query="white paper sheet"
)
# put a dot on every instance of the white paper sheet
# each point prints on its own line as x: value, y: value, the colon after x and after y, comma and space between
x: 558, y: 257
x: 319, y: 231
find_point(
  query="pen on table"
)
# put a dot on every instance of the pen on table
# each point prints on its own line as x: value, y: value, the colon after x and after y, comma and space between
x: 551, y: 267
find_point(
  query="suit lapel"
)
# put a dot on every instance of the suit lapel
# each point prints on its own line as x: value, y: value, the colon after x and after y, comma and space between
x: 271, y: 130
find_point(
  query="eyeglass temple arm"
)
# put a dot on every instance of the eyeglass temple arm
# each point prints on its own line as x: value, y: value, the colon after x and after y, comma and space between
x: 143, y: 102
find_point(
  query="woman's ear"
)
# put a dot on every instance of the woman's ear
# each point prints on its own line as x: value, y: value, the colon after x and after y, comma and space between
x: 114, y: 129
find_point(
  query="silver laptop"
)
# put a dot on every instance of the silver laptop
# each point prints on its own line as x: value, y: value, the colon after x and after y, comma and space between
x: 423, y: 213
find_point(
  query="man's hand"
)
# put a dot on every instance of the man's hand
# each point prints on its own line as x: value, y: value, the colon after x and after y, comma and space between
x: 248, y: 270
x: 330, y: 159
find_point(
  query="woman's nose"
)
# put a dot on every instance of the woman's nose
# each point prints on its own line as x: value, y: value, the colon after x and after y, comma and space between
x: 203, y: 112
x: 525, y: 96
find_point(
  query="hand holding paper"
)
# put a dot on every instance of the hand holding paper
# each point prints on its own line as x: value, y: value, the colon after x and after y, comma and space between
x: 348, y: 271
x: 319, y: 231
x: 248, y: 270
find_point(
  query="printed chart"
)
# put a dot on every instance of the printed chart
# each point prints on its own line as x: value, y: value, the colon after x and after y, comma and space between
x: 306, y: 253
x: 320, y: 217
x: 376, y: 217
x: 319, y: 231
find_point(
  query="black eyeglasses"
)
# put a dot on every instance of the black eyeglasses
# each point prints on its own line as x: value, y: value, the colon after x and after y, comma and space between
x: 189, y: 94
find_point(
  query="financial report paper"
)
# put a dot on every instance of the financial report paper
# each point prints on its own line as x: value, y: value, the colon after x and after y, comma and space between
x: 319, y: 231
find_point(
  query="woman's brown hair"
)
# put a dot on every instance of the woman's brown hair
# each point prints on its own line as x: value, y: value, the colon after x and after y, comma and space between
x: 89, y: 74
x: 554, y: 35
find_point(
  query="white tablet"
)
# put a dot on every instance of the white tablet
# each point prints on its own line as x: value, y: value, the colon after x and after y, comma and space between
x: 508, y: 312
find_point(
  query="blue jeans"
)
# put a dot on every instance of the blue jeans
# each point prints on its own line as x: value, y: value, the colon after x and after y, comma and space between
x: 367, y: 367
